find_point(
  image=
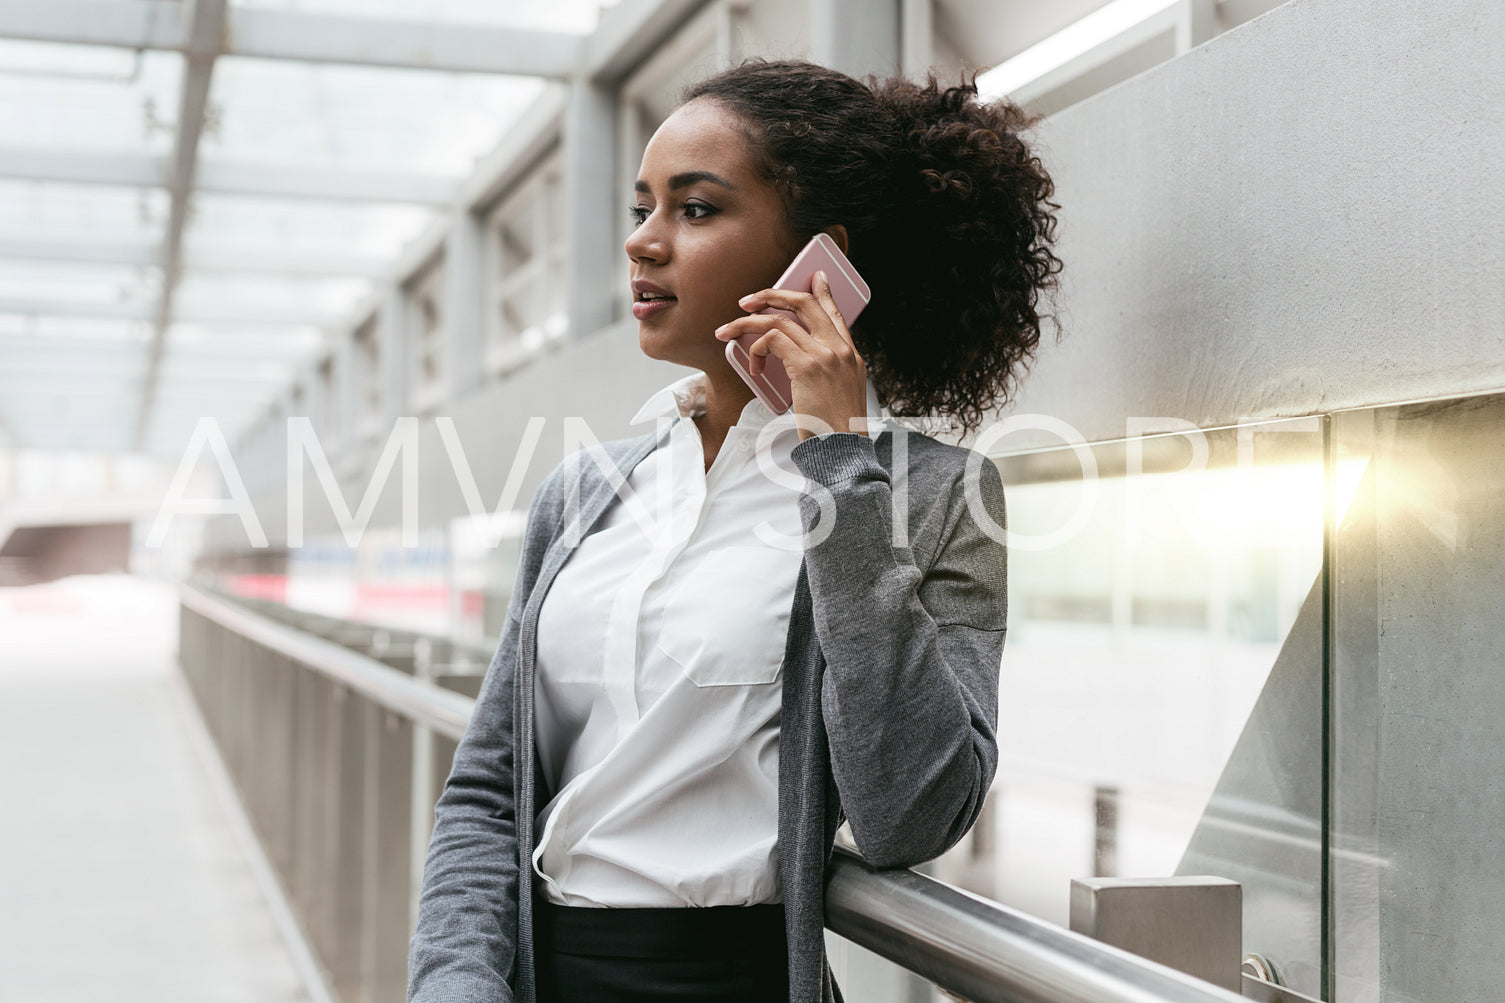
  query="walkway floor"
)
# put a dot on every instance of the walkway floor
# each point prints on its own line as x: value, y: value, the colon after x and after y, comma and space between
x: 126, y: 871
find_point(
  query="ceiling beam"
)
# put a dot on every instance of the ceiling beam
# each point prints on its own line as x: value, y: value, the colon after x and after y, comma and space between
x: 269, y: 34
x: 230, y: 396
x: 206, y: 26
x: 424, y: 45
x: 326, y: 183
x: 21, y: 164
x: 229, y: 315
x: 272, y: 181
x: 141, y: 24
x: 629, y: 33
x: 124, y: 369
x: 36, y: 307
x: 79, y: 252
x: 260, y: 261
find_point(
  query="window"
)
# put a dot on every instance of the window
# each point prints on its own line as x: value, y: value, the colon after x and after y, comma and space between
x: 429, y: 375
x: 526, y: 263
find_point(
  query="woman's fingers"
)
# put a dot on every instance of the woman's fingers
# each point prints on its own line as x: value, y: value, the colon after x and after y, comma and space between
x: 762, y: 326
x: 821, y: 290
x: 816, y: 310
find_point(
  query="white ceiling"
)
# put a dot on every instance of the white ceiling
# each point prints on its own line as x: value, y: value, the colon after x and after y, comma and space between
x: 309, y: 176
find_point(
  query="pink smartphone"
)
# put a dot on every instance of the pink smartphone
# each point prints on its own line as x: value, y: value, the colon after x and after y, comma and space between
x: 847, y: 289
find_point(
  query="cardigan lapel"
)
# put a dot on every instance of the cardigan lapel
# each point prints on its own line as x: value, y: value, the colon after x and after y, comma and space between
x: 597, y: 492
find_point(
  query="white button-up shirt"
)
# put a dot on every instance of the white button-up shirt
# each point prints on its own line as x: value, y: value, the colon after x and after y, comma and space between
x: 658, y: 722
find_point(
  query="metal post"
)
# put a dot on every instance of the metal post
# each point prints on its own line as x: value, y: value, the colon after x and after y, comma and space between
x: 306, y: 796
x: 1192, y: 923
x: 424, y: 796
x: 345, y: 824
x: 386, y: 929
x: 1105, y: 832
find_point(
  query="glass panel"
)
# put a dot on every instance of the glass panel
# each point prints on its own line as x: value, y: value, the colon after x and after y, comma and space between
x: 70, y: 335
x: 265, y: 373
x: 1161, y: 701
x: 359, y: 117
x: 242, y: 341
x: 1418, y: 896
x: 227, y: 295
x: 79, y: 283
x: 80, y: 97
x: 48, y: 211
x: 302, y: 226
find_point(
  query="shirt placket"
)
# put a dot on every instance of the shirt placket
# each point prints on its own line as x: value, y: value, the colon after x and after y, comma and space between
x: 668, y: 537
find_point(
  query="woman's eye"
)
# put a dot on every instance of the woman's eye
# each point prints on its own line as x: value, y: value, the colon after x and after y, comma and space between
x: 692, y: 210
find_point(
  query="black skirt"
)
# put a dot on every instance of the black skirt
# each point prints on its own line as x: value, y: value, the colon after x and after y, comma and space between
x: 726, y: 954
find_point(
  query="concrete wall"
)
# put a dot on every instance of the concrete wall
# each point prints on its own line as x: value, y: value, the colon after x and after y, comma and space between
x: 1301, y: 215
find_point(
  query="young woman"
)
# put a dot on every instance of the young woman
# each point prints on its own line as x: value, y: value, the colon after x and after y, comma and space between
x: 733, y: 632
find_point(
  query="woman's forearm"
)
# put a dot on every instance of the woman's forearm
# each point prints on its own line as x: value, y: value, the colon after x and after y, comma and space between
x: 912, y: 655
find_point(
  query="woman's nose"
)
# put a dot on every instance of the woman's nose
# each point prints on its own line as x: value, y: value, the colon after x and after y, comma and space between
x: 645, y: 243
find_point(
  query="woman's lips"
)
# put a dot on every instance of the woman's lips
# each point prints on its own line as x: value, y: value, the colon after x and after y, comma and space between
x: 643, y: 309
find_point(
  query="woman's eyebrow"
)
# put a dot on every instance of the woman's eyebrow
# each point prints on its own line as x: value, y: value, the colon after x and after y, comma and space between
x: 688, y: 178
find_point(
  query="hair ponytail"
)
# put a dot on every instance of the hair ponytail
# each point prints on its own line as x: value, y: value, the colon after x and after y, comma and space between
x: 948, y: 214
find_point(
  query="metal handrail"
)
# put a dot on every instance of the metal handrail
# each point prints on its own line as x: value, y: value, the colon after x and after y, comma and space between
x: 445, y: 712
x: 480, y: 650
x: 987, y: 952
x: 967, y: 945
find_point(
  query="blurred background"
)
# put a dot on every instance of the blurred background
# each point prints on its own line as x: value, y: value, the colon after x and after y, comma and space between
x: 263, y: 263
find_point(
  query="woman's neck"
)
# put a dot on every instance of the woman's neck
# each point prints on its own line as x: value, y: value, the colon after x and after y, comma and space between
x: 725, y: 397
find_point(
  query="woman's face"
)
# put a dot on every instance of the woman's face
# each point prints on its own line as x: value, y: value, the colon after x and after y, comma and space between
x: 710, y: 231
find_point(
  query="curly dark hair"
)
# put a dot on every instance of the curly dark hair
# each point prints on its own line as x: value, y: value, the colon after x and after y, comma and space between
x: 947, y: 210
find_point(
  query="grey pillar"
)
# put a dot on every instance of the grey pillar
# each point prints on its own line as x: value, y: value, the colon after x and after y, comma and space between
x: 1196, y: 22
x: 917, y: 37
x: 592, y: 203
x: 394, y: 353
x: 857, y: 36
x: 464, y: 295
x: 345, y: 448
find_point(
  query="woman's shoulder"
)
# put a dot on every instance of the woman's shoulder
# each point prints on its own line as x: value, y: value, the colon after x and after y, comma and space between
x: 936, y: 461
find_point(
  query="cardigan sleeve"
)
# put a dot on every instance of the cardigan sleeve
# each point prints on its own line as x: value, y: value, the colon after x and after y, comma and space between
x: 910, y: 694
x: 464, y: 946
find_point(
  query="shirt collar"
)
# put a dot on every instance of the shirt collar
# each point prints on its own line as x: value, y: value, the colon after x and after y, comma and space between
x: 685, y: 398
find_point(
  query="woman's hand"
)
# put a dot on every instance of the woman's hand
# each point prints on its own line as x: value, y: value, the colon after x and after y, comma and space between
x: 828, y: 379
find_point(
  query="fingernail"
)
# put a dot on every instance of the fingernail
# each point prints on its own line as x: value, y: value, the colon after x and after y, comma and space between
x: 746, y: 299
x: 722, y: 328
x: 822, y: 276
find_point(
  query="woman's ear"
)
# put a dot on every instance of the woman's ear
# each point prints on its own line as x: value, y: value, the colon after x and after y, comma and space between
x: 838, y: 233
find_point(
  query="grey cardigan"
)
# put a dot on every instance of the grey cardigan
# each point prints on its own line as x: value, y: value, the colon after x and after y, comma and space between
x: 890, y: 702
